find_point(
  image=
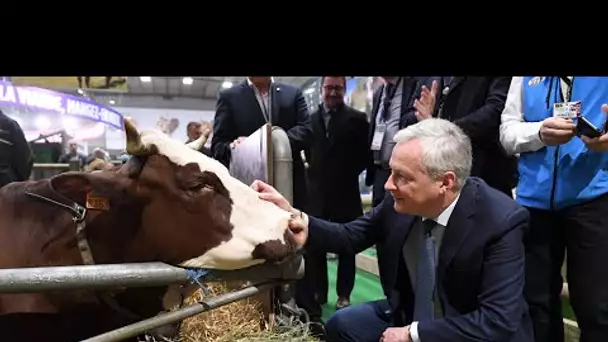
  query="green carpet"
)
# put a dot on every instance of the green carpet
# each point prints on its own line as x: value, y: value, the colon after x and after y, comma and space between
x: 367, y: 288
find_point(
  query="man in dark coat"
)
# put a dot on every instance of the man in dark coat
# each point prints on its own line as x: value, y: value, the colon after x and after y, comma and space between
x: 475, y: 105
x: 337, y: 156
x: 244, y: 108
x: 16, y: 159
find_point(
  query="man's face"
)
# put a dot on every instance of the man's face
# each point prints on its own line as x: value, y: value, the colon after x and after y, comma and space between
x: 332, y: 91
x: 194, y: 132
x: 73, y: 148
x: 414, y: 191
x: 259, y: 80
x: 389, y: 79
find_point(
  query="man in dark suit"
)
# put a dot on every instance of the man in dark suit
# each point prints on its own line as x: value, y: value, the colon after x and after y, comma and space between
x: 449, y: 248
x: 475, y: 105
x: 392, y: 109
x: 337, y: 156
x: 244, y: 108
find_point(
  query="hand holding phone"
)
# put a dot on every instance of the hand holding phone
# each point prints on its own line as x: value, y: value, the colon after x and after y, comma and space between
x: 586, y: 128
x: 599, y: 143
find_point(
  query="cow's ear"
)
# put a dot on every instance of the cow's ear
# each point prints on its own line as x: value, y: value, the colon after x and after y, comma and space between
x: 76, y: 186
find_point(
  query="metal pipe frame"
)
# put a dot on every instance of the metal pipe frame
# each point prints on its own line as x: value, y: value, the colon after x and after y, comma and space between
x: 150, y: 324
x: 282, y: 163
x: 94, y: 277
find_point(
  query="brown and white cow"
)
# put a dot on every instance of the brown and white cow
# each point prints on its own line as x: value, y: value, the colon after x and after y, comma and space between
x: 168, y: 203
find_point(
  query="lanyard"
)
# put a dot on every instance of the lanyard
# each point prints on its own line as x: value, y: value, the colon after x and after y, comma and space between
x: 388, y: 99
x: 570, y: 84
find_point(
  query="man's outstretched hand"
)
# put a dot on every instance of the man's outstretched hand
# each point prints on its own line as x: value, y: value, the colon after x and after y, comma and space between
x: 270, y: 194
x: 297, y: 225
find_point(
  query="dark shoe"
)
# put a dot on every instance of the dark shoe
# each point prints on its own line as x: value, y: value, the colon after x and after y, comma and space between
x: 342, y: 303
x: 317, y: 329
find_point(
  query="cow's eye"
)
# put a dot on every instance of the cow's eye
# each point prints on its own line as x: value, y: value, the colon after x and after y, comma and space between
x: 195, y: 187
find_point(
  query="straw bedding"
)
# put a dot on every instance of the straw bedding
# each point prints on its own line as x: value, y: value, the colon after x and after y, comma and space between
x: 236, y: 322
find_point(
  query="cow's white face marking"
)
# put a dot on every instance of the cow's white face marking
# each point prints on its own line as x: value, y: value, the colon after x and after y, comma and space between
x: 255, y: 221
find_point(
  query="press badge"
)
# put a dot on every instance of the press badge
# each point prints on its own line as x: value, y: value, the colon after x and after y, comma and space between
x: 567, y: 110
x: 378, y: 136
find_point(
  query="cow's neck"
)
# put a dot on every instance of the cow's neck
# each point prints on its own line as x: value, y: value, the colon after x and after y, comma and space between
x: 116, y: 236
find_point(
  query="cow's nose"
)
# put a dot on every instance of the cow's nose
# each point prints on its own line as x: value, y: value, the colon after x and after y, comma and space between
x: 275, y: 250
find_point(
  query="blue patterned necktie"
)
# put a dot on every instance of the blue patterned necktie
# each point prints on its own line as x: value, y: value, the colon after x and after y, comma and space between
x: 425, y: 279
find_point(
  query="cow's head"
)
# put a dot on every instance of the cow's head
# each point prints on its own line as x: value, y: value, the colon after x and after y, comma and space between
x: 190, y: 210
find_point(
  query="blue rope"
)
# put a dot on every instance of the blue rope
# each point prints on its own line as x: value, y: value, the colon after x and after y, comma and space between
x: 196, y: 274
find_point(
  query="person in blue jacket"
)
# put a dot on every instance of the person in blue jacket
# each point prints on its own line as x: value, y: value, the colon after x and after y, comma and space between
x: 563, y: 182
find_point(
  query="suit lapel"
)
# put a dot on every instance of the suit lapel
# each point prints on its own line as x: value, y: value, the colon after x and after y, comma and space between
x: 274, y: 100
x: 458, y: 227
x: 456, y: 81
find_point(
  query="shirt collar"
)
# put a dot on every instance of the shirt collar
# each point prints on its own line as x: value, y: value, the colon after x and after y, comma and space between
x: 444, y: 217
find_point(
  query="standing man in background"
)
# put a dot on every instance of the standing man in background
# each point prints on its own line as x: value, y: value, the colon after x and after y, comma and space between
x: 338, y: 154
x: 563, y: 182
x: 244, y: 108
x: 16, y: 160
x: 393, y: 109
x: 194, y: 130
x: 475, y: 105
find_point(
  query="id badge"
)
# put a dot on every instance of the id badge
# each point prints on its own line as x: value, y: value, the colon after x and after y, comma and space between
x: 378, y: 136
x: 567, y: 110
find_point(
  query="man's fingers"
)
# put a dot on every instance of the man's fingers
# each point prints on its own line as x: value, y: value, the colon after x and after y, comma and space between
x: 605, y: 108
x: 561, y: 124
x: 558, y: 133
x: 434, y: 88
x: 294, y: 226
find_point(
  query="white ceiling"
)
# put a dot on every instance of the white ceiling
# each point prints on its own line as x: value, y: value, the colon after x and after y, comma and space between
x: 201, y: 87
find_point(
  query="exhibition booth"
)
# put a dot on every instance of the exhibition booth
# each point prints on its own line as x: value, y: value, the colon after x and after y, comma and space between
x: 52, y: 118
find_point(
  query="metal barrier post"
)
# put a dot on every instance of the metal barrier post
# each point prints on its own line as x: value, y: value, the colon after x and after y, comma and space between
x: 282, y: 180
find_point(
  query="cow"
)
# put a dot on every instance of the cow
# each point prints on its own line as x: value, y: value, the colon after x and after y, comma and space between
x: 167, y: 203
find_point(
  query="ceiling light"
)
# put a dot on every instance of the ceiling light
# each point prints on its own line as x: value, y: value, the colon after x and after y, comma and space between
x: 112, y: 102
x: 145, y: 79
x: 187, y: 80
x: 226, y: 84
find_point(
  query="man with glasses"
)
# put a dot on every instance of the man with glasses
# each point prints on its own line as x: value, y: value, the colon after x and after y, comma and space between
x: 337, y: 156
x: 392, y: 110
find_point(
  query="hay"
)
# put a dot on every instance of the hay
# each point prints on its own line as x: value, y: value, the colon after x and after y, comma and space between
x: 236, y: 322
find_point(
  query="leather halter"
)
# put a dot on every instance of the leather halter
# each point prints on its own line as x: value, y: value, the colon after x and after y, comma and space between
x: 79, y: 215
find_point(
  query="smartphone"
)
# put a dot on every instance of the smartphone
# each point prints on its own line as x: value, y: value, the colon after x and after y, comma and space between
x: 584, y: 127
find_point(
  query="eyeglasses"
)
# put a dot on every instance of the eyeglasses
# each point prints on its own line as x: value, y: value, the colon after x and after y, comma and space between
x: 337, y: 88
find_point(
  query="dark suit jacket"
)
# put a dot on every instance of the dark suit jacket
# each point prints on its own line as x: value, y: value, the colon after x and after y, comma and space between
x: 480, y: 269
x: 238, y: 114
x: 16, y: 159
x: 336, y: 158
x: 475, y: 105
x: 408, y: 117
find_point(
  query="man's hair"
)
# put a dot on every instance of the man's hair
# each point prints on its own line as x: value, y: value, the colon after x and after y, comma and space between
x: 445, y: 147
x: 192, y: 124
x: 343, y: 78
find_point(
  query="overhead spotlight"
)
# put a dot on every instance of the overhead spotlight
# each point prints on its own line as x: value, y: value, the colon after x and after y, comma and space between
x: 226, y: 84
x: 187, y: 80
x: 145, y: 79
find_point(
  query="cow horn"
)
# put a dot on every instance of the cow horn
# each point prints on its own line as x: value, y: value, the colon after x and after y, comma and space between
x: 134, y: 145
x: 198, y: 143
